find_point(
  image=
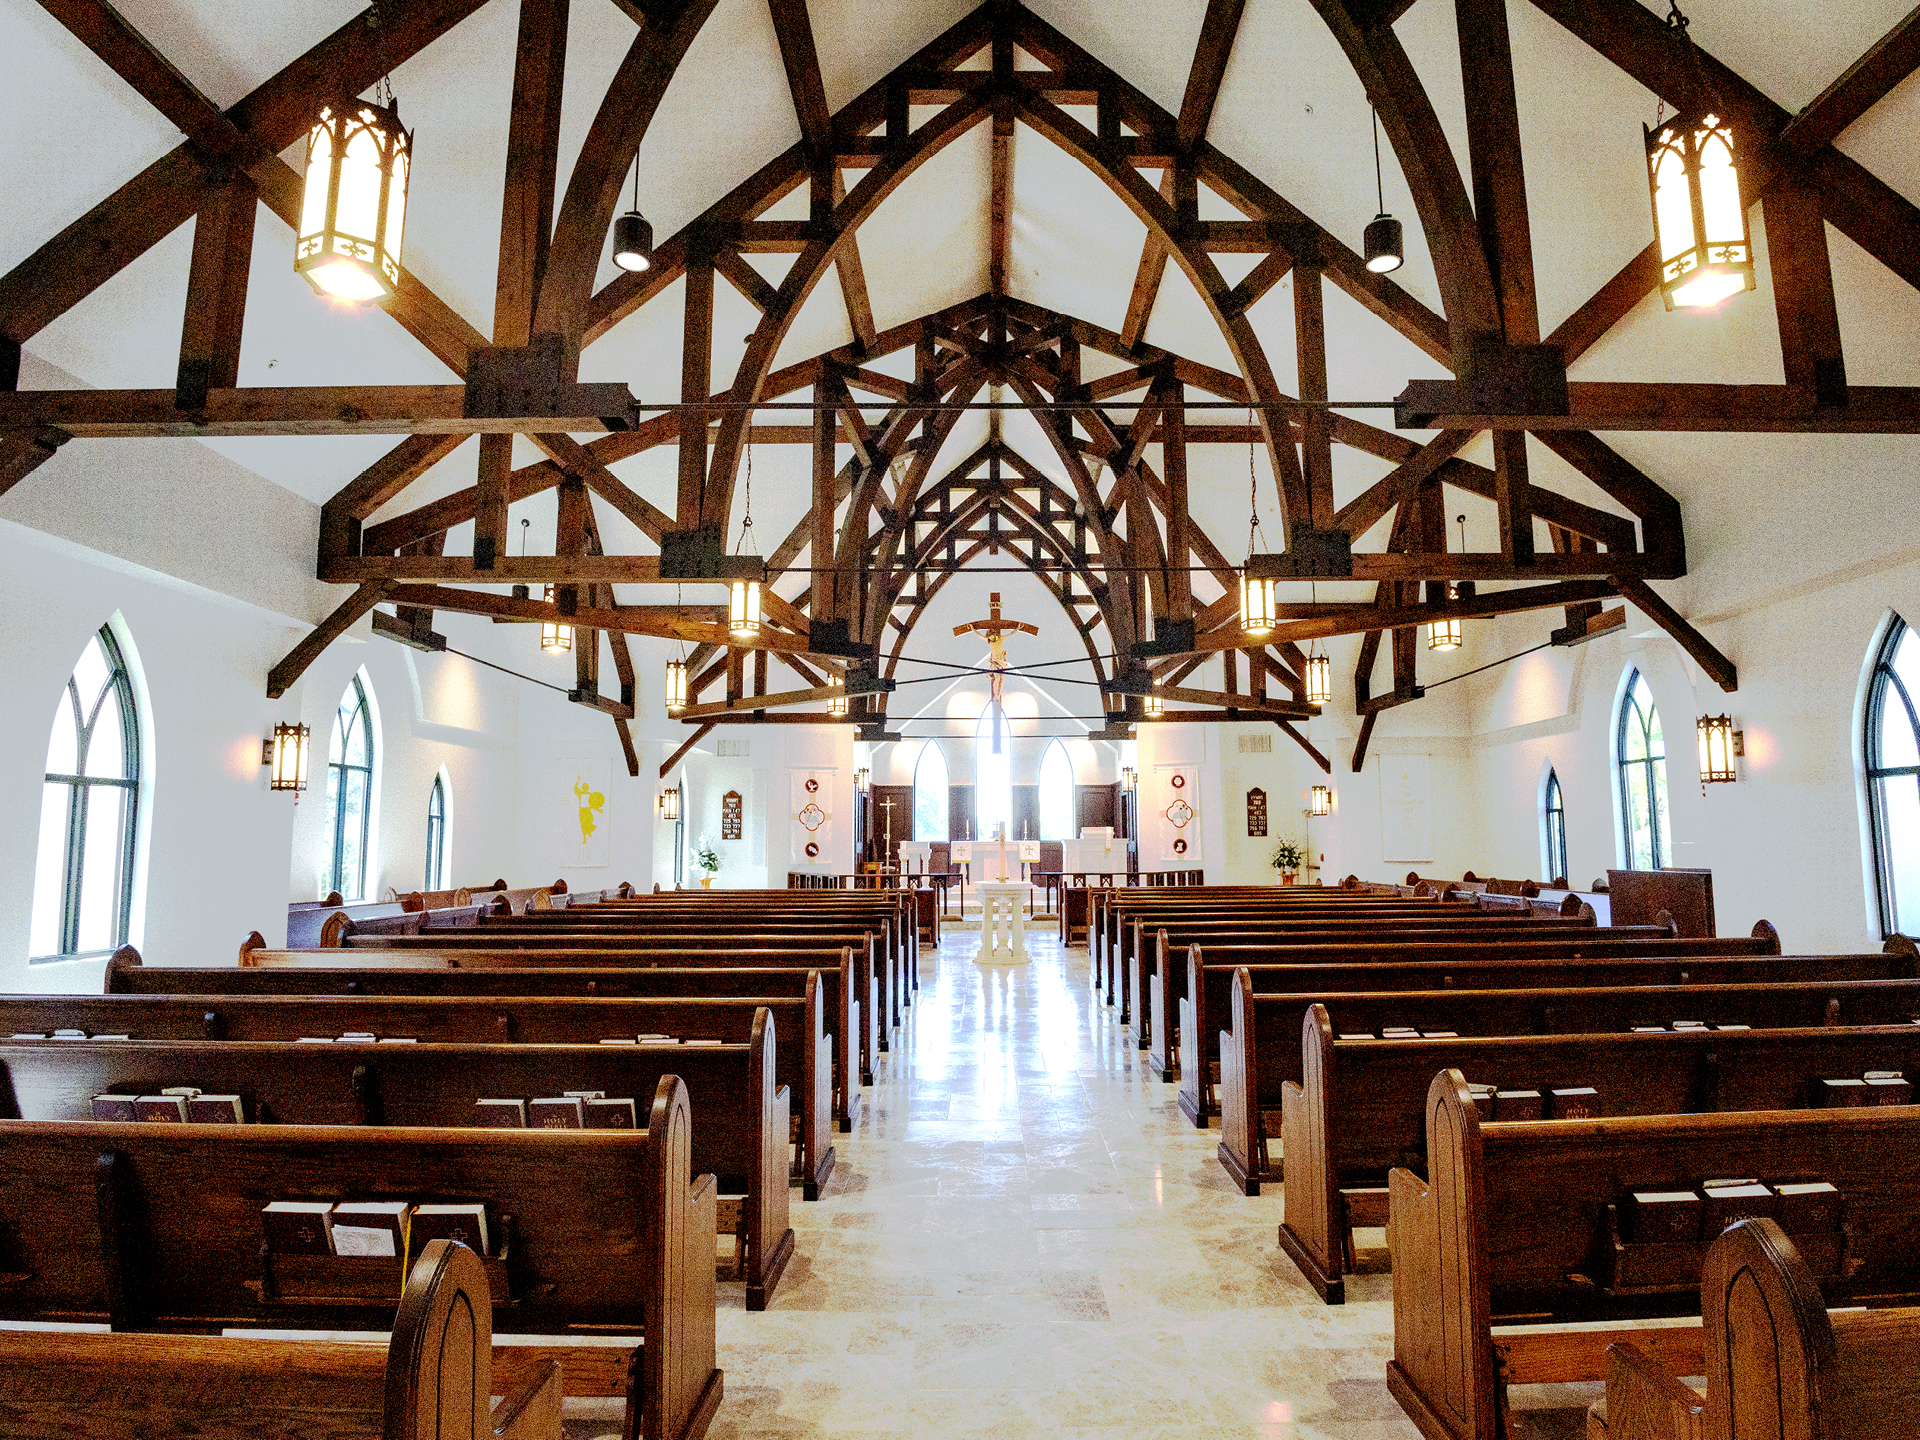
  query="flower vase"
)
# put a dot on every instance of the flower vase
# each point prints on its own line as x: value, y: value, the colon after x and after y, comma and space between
x: 706, y: 882
x: 1286, y: 877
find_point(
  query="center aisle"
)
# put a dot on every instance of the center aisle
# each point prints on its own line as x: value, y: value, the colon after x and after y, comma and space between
x: 1025, y: 1237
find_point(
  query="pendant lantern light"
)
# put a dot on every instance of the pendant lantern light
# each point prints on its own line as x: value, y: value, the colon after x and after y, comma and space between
x: 743, y: 596
x: 1717, y: 749
x: 1699, y: 219
x: 837, y: 702
x: 1155, y: 706
x: 1319, y: 679
x: 353, y: 210
x: 632, y: 234
x: 1443, y: 635
x: 1320, y: 801
x: 676, y: 686
x: 1256, y: 595
x: 1385, y: 241
x: 555, y: 638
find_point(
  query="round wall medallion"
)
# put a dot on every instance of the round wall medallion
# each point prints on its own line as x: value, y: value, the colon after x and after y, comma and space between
x: 813, y: 851
x: 1179, y: 782
x: 1180, y: 846
x: 813, y: 785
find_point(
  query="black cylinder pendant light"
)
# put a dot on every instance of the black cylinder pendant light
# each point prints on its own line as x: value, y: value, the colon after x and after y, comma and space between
x: 1385, y: 243
x: 632, y: 235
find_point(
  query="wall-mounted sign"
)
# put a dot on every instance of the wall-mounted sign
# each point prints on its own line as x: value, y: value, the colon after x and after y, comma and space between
x: 730, y: 815
x: 1257, y: 812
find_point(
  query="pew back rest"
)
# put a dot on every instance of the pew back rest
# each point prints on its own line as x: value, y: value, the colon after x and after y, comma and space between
x: 602, y: 1223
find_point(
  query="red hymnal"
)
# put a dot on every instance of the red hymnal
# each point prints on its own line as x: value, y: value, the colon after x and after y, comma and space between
x: 466, y: 1223
x: 1807, y: 1206
x: 298, y: 1227
x: 115, y: 1107
x: 501, y: 1114
x: 1577, y: 1102
x: 1664, y: 1217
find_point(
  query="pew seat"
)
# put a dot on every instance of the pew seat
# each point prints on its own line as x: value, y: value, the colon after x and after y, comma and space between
x: 433, y: 1380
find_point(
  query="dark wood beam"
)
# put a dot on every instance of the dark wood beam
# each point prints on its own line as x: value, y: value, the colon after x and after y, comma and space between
x: 533, y: 145
x: 1630, y: 405
x: 294, y: 664
x: 696, y: 379
x: 1209, y: 68
x: 1147, y: 277
x: 1803, y: 297
x: 1313, y: 751
x: 1316, y: 432
x: 1494, y: 157
x: 794, y: 30
x: 1360, y: 745
x: 1865, y: 83
x: 1608, y: 305
x: 1173, y: 430
x: 853, y: 280
x: 1719, y: 669
x: 825, y: 603
x: 1000, y: 202
x: 701, y: 733
x: 216, y: 308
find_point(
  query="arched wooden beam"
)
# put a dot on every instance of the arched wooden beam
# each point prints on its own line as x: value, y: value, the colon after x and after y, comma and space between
x: 1432, y: 174
x: 593, y: 189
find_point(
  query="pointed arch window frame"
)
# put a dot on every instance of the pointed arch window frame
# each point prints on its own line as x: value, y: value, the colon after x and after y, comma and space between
x: 1886, y: 683
x: 945, y: 797
x: 1057, y: 746
x: 79, y: 785
x: 1641, y: 723
x: 1553, y: 820
x: 342, y: 772
x: 436, y: 867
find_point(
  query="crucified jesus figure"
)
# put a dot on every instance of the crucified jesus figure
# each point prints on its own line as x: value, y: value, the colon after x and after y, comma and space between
x: 996, y: 631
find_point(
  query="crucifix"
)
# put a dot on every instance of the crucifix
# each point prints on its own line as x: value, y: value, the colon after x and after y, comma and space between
x: 996, y: 631
x: 886, y: 853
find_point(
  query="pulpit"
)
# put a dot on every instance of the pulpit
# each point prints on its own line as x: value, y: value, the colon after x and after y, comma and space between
x: 1002, y: 933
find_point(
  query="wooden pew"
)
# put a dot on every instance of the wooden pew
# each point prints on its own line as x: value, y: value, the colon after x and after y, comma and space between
x: 740, y: 1131
x: 1511, y: 965
x: 848, y: 1002
x: 1265, y: 1052
x: 656, y: 948
x: 157, y: 1228
x: 1779, y: 1365
x: 1139, y: 951
x: 1514, y: 1226
x: 433, y: 1380
x: 803, y: 1061
x: 1359, y: 1111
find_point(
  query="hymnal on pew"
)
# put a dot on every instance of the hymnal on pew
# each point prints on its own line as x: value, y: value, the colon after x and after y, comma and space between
x: 161, y: 1109
x: 116, y: 1107
x: 1731, y: 1200
x: 1664, y: 1217
x: 298, y: 1227
x: 466, y: 1223
x: 1807, y: 1206
x: 1845, y: 1093
x: 1888, y: 1087
x: 214, y: 1110
x: 370, y: 1227
x: 1575, y: 1102
x: 1517, y: 1105
x: 501, y: 1114
x: 555, y: 1113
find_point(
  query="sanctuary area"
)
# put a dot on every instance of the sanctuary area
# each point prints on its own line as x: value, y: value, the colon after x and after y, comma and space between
x: 818, y: 718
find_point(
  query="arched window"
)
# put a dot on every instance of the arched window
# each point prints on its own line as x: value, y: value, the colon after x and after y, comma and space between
x: 437, y: 834
x: 992, y: 774
x: 1893, y: 777
x: 930, y: 794
x: 350, y: 792
x: 83, y: 877
x: 1643, y: 778
x: 1056, y: 794
x: 1553, y: 816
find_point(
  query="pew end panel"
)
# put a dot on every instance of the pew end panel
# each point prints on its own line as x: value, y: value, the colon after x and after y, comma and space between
x: 816, y: 1100
x: 1314, y: 1229
x: 1442, y: 1371
x: 1163, y: 1047
x: 680, y: 1385
x: 1195, y: 1096
x: 768, y: 1232
x: 1240, y: 1143
x: 1644, y: 1401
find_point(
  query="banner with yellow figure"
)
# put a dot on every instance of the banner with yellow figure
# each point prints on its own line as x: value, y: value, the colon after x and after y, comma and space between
x: 585, y: 829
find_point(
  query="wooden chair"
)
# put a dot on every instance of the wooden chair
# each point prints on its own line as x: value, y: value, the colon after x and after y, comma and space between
x: 433, y: 1381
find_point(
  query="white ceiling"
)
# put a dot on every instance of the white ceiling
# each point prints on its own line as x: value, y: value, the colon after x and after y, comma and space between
x: 1290, y: 109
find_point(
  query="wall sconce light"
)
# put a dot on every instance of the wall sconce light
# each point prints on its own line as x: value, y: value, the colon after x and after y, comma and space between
x: 676, y: 686
x: 555, y: 638
x: 743, y: 608
x: 1720, y: 746
x: 862, y: 780
x: 354, y: 205
x: 1128, y: 780
x: 670, y: 804
x: 1320, y: 801
x: 286, y: 752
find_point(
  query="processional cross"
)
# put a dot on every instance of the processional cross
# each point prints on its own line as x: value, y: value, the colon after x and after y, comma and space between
x: 996, y: 630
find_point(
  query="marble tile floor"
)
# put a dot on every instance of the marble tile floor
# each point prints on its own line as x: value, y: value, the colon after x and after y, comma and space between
x: 1025, y: 1237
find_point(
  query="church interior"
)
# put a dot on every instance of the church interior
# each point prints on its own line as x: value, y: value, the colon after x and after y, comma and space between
x: 1253, y: 782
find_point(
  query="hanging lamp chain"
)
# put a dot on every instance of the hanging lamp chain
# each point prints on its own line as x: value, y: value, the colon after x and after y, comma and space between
x: 746, y: 511
x: 376, y: 22
x: 1678, y: 24
x: 1253, y: 489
